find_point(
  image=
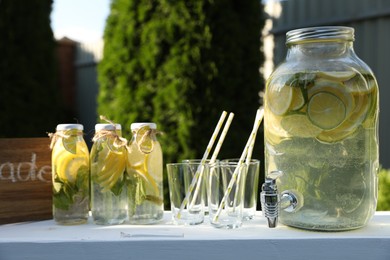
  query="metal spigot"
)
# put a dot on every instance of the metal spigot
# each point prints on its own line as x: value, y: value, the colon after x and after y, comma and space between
x: 269, y: 198
x: 271, y: 201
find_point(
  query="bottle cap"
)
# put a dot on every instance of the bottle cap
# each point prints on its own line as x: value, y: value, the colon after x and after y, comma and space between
x: 62, y: 127
x: 139, y: 125
x: 109, y: 127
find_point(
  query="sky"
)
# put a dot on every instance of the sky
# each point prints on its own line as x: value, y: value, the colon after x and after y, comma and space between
x: 79, y: 20
x: 82, y: 20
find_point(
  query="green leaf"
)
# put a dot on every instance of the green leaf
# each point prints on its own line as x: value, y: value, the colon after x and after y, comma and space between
x: 64, y: 197
x: 118, y: 187
x: 301, y: 80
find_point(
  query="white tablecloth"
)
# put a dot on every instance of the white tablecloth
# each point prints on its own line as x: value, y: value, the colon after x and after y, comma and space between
x: 254, y: 240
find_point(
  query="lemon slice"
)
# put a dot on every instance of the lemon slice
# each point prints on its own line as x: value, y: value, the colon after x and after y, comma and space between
x: 155, y: 161
x: 326, y: 111
x: 113, y: 169
x: 278, y: 98
x: 68, y: 167
x: 362, y: 105
x: 70, y: 144
x: 334, y: 136
x: 372, y: 112
x: 146, y: 166
x: 351, y: 123
x: 360, y: 84
x: 336, y: 75
x: 299, y: 125
x: 297, y: 100
x: 336, y: 88
x: 143, y: 139
x: 273, y: 131
x: 57, y: 187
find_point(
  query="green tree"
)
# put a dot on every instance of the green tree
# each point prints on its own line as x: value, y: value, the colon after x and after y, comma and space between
x: 180, y: 64
x: 27, y: 69
x: 384, y: 190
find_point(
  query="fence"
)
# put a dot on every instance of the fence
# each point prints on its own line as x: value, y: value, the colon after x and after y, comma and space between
x: 371, y: 20
x: 87, y: 58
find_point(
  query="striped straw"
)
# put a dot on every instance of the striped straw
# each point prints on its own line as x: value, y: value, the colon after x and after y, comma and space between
x: 202, y: 162
x: 258, y: 119
x: 214, y: 156
x: 252, y: 136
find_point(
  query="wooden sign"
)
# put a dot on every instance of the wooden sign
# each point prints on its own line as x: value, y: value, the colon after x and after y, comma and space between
x: 25, y: 180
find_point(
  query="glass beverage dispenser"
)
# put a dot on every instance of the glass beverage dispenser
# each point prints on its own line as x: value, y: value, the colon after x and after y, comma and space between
x: 321, y: 134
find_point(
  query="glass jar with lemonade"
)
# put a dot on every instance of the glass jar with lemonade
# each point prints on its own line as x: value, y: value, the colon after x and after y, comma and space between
x: 145, y: 175
x: 108, y: 175
x: 321, y: 130
x: 70, y: 175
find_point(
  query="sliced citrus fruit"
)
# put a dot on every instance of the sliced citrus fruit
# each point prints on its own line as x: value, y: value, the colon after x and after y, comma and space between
x: 112, y: 161
x: 155, y: 161
x: 372, y: 113
x: 273, y: 131
x: 336, y: 88
x: 336, y: 75
x: 57, y: 187
x: 144, y: 140
x: 68, y: 166
x: 278, y: 98
x: 351, y: 123
x: 362, y: 105
x: 145, y: 165
x: 297, y: 100
x: 359, y: 84
x: 113, y: 169
x: 70, y: 144
x: 334, y: 135
x: 58, y: 152
x: 299, y: 125
x: 326, y: 111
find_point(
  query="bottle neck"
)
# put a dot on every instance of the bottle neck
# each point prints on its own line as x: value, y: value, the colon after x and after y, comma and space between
x: 325, y: 42
x: 320, y: 49
x: 70, y: 133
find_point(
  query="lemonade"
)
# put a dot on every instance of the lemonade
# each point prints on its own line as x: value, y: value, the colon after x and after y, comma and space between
x: 320, y: 130
x: 108, y: 176
x: 145, y: 170
x: 70, y: 175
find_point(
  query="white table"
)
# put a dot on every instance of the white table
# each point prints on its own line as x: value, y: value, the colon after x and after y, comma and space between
x: 254, y: 240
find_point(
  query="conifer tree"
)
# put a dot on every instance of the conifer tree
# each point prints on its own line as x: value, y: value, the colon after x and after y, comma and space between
x: 180, y: 64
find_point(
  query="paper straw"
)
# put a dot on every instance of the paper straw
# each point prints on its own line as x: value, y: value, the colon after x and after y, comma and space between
x: 241, y: 160
x: 258, y: 119
x: 214, y: 156
x: 202, y: 162
x: 221, y: 138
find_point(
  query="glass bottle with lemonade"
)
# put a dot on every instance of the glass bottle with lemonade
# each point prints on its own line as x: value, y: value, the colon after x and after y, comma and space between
x: 70, y: 175
x: 145, y: 175
x: 321, y: 120
x: 108, y: 175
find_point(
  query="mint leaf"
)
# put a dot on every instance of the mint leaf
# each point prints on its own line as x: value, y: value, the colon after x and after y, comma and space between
x: 64, y: 197
x: 302, y: 80
x: 118, y: 187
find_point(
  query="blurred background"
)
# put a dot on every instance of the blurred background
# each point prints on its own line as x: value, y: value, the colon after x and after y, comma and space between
x: 177, y: 63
